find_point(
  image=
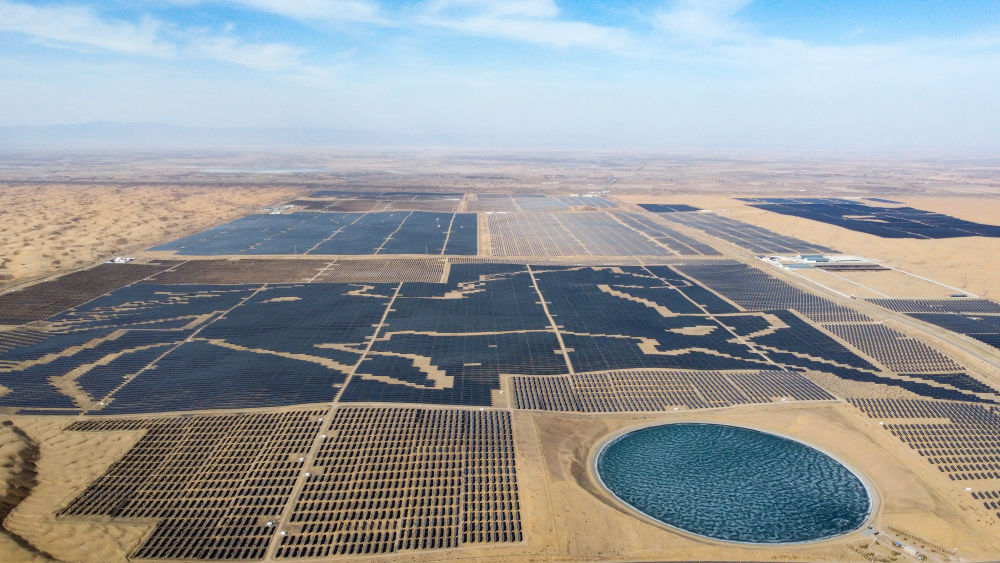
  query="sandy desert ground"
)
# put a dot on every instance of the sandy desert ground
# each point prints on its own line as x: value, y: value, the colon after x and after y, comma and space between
x: 54, y: 227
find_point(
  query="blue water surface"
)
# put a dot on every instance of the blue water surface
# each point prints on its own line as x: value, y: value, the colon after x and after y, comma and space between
x: 734, y: 484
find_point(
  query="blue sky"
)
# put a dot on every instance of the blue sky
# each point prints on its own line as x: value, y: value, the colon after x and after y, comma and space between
x: 671, y: 74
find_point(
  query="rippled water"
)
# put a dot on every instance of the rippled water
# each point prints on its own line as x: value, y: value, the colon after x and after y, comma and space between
x: 733, y: 483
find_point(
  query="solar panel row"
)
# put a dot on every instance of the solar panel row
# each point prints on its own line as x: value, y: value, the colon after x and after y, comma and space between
x: 661, y: 390
x: 756, y: 239
x: 390, y: 232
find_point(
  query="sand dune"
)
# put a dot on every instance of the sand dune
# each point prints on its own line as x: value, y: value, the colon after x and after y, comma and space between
x: 59, y: 226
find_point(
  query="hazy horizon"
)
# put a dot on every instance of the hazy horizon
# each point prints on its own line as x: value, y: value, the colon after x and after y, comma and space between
x: 647, y: 76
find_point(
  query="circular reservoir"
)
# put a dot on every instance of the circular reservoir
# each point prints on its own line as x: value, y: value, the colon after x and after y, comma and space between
x: 733, y: 484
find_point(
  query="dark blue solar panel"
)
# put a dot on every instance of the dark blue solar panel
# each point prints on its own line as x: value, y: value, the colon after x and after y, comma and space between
x: 886, y: 222
x: 757, y: 291
x: 667, y: 208
x: 985, y: 328
x: 388, y: 196
x: 280, y: 234
x: 303, y: 318
x: 421, y: 232
x: 597, y: 301
x: 104, y: 379
x: 805, y: 340
x: 199, y: 375
x: 464, y: 237
x: 32, y: 386
x: 474, y: 272
x: 959, y: 380
x: 301, y: 237
x: 745, y: 324
x: 152, y: 306
x: 596, y: 353
x: 709, y: 301
x: 505, y: 302
x: 471, y: 365
x: 365, y: 235
x: 387, y: 232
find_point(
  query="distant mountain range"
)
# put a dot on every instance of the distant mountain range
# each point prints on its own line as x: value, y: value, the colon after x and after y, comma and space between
x: 112, y: 134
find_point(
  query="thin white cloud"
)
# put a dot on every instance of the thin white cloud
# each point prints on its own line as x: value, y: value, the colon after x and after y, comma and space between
x: 703, y: 20
x: 269, y: 57
x: 711, y: 32
x: 528, y: 21
x: 80, y: 26
x: 325, y: 11
x: 496, y: 8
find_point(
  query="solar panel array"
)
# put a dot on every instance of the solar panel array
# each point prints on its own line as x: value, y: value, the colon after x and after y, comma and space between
x: 984, y: 328
x: 667, y: 207
x: 960, y: 439
x: 957, y: 306
x: 278, y: 270
x: 393, y: 479
x: 755, y: 290
x: 315, y: 233
x: 380, y: 201
x: 384, y: 195
x: 588, y: 233
x: 756, y: 239
x: 212, y: 484
x: 33, y: 373
x: 512, y: 203
x: 42, y: 300
x: 975, y: 318
x: 989, y: 499
x: 898, y: 352
x: 241, y: 271
x: 20, y: 336
x: 155, y: 348
x: 886, y: 222
x: 676, y: 241
x: 448, y: 343
x: 661, y: 390
x: 587, y: 201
